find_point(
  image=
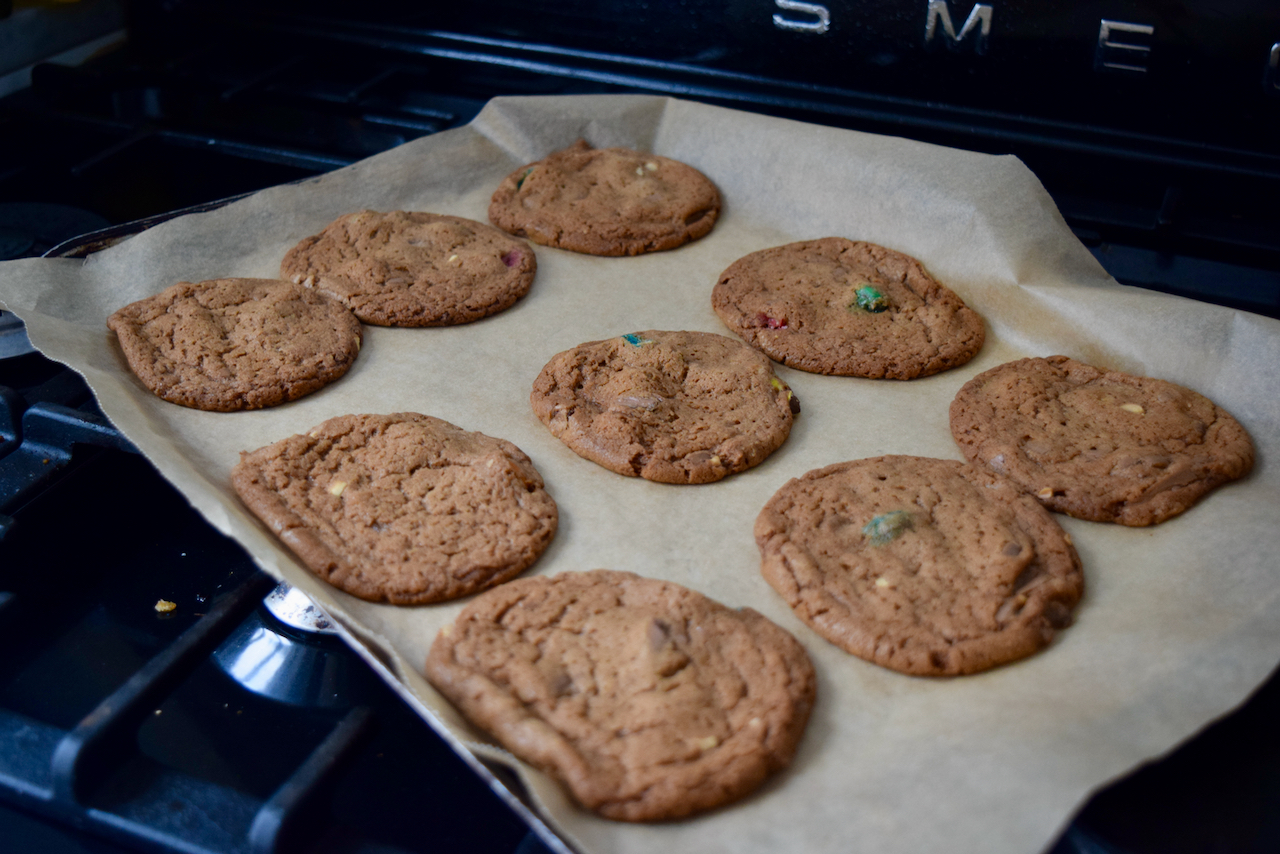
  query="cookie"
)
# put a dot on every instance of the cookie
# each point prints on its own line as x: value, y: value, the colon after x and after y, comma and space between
x: 401, y: 508
x: 230, y: 344
x: 407, y: 268
x: 1096, y: 444
x: 846, y: 308
x: 646, y: 700
x: 927, y: 567
x: 606, y: 201
x: 672, y: 407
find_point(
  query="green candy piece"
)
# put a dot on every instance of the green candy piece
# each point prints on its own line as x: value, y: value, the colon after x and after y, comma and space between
x: 520, y: 182
x: 886, y: 528
x: 870, y: 299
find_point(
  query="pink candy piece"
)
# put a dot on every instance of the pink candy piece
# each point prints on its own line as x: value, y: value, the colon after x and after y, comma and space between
x: 765, y: 320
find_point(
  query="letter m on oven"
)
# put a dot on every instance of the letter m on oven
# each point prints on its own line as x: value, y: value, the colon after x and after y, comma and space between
x: 974, y: 32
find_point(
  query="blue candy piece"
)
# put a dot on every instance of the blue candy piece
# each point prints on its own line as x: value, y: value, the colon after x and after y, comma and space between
x: 886, y: 528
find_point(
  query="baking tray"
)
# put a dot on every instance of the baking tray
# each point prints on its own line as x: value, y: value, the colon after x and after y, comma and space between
x: 1176, y: 626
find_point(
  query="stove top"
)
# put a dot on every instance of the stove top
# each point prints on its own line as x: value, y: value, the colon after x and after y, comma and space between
x: 215, y: 725
x: 158, y: 690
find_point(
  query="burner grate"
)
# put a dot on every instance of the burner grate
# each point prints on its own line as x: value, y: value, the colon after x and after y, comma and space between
x: 122, y: 721
x: 163, y: 730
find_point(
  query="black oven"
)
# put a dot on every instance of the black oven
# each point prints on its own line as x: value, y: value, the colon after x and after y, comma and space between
x: 236, y: 722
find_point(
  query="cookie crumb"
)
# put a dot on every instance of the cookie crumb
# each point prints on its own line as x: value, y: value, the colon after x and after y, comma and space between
x: 164, y: 606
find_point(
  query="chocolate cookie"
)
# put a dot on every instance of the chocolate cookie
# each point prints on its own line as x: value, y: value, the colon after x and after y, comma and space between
x: 646, y: 700
x: 606, y: 201
x: 929, y: 567
x: 673, y: 407
x: 231, y: 344
x: 401, y: 508
x: 835, y: 306
x: 1097, y: 444
x: 406, y: 268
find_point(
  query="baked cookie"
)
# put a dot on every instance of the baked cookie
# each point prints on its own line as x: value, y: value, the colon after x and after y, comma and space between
x: 1098, y: 444
x: 852, y: 309
x: 606, y: 201
x: 928, y: 567
x: 401, y: 508
x: 407, y: 268
x: 231, y: 344
x: 648, y: 701
x: 672, y: 407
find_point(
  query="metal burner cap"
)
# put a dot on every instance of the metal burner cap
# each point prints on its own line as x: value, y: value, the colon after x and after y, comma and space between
x: 293, y: 608
x: 306, y: 667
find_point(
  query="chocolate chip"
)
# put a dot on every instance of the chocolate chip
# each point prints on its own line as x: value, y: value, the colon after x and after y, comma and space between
x: 562, y: 684
x: 659, y: 634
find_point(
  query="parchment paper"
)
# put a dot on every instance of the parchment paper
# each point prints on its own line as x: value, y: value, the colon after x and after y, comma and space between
x: 1177, y: 624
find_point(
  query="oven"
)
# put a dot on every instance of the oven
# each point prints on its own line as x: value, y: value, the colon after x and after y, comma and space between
x: 239, y: 722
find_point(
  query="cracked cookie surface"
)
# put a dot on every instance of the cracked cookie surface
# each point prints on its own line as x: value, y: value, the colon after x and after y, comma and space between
x: 847, y: 308
x: 409, y: 268
x: 1096, y: 444
x: 225, y: 345
x: 672, y: 407
x: 924, y: 566
x: 647, y: 700
x: 402, y: 508
x: 606, y: 201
